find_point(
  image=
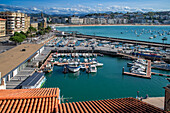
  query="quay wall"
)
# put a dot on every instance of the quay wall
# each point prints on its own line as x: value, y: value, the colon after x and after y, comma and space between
x: 120, y: 40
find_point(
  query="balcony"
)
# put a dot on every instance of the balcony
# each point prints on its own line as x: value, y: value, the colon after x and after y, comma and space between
x: 11, y: 18
x: 18, y: 19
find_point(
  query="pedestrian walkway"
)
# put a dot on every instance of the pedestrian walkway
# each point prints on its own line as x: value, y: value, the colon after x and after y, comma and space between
x: 156, y: 101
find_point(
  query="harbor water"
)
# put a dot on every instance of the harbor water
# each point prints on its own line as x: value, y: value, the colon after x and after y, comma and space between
x: 142, y: 33
x: 107, y: 83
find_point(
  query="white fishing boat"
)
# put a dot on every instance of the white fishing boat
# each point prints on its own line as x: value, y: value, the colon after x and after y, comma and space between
x: 97, y: 64
x: 74, y: 67
x: 85, y: 60
x: 52, y: 60
x: 140, y: 61
x: 55, y: 55
x: 139, y: 72
x: 48, y: 68
x: 93, y: 69
x: 64, y: 60
x: 82, y: 67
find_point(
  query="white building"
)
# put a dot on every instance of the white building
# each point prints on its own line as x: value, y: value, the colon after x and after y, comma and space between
x: 75, y: 20
x: 111, y: 21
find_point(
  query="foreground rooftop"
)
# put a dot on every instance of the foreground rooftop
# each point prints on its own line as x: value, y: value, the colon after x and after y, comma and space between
x: 46, y: 100
x: 108, y: 106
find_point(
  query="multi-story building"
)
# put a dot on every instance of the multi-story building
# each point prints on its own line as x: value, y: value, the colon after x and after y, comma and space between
x: 35, y: 25
x: 101, y: 21
x: 27, y: 23
x: 42, y: 21
x: 89, y: 21
x: 75, y: 20
x: 64, y: 20
x: 15, y: 22
x: 2, y: 27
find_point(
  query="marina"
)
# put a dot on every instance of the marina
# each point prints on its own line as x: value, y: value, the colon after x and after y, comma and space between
x: 101, y: 48
x: 84, y: 56
x: 110, y: 76
x: 68, y: 61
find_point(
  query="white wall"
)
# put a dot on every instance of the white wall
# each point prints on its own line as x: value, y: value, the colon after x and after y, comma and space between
x: 15, y: 72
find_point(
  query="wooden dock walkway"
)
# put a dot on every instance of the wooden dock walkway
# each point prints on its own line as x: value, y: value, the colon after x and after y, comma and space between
x: 165, y: 75
x: 129, y: 56
x: 148, y: 72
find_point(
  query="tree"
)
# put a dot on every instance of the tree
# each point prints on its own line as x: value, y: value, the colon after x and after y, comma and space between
x: 31, y: 30
x: 16, y: 39
x: 16, y: 34
x: 23, y: 33
x: 48, y: 28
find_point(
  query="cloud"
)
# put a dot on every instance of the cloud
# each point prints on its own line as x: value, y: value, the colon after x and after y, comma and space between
x: 99, y: 4
x: 79, y: 9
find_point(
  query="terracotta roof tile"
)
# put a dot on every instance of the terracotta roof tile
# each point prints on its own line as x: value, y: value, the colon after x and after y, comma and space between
x: 72, y: 108
x: 29, y: 100
x: 29, y: 93
x: 46, y: 100
x: 2, y: 19
x: 108, y: 106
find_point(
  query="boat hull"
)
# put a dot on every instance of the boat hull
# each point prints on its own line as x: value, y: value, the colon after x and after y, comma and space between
x: 74, y: 69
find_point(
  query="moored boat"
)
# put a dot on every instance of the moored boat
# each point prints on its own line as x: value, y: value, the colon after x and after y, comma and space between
x: 93, y: 69
x: 73, y: 66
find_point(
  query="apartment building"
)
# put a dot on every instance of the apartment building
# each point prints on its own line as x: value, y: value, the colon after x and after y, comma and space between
x: 35, y: 25
x: 42, y: 21
x: 16, y: 22
x: 27, y: 23
x: 75, y: 20
x: 2, y: 27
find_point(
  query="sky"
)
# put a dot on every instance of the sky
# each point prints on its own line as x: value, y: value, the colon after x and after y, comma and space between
x: 84, y: 6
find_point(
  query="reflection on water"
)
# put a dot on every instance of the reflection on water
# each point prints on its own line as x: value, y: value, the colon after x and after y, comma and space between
x: 73, y: 75
x: 78, y: 74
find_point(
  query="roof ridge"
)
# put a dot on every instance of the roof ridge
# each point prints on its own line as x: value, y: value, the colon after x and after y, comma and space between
x: 31, y: 97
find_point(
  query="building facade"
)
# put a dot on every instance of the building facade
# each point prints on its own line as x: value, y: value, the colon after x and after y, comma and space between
x: 2, y: 27
x: 35, y: 25
x: 16, y: 22
x: 75, y: 20
x: 27, y: 23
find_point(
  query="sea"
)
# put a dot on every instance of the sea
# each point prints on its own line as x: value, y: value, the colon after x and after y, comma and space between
x: 126, y: 32
x: 108, y: 82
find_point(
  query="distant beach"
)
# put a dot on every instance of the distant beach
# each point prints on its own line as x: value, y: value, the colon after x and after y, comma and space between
x: 70, y: 25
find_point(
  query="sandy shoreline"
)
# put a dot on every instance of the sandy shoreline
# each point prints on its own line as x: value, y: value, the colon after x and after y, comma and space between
x: 66, y: 25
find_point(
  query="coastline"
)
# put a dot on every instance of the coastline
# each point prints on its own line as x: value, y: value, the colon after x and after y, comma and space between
x: 78, y: 25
